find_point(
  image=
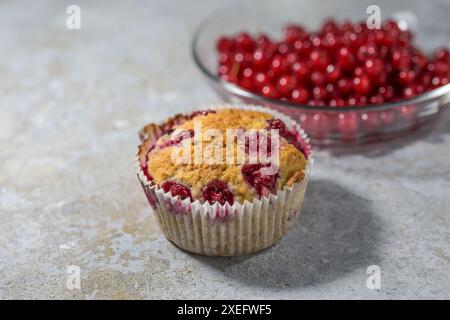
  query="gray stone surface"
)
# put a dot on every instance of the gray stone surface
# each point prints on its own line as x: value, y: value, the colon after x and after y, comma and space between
x: 71, y: 103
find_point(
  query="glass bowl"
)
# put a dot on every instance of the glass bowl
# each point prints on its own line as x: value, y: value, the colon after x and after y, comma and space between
x: 330, y: 126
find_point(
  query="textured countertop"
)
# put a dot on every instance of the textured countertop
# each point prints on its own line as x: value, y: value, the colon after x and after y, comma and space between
x: 71, y: 103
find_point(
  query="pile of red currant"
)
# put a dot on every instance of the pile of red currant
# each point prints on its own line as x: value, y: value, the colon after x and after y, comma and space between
x: 342, y: 64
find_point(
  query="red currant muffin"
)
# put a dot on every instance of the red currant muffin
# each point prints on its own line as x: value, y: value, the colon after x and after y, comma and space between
x: 227, y: 180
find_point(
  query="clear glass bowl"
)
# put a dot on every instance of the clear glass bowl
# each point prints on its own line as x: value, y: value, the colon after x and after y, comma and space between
x: 330, y: 126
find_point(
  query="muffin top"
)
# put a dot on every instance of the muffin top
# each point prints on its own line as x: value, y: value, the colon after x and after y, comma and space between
x: 224, y: 156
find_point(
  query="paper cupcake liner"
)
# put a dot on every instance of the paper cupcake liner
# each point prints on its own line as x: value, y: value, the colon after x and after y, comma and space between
x: 229, y: 230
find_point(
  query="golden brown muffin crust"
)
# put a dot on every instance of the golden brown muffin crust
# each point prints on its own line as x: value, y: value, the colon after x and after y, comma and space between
x: 162, y: 168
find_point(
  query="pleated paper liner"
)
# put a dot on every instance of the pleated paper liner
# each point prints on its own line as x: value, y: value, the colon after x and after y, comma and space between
x: 227, y: 230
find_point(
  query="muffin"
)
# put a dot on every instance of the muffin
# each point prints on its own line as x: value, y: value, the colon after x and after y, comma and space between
x: 227, y: 180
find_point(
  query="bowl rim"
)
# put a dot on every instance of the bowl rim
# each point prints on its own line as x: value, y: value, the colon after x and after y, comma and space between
x: 238, y: 91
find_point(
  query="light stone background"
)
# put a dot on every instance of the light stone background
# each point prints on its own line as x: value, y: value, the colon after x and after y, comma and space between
x: 71, y: 103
